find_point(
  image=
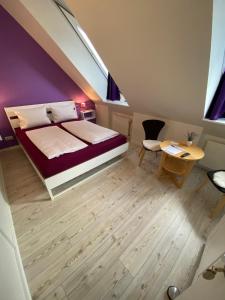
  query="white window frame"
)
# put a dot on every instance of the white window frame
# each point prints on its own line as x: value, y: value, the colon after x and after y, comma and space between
x: 83, y: 37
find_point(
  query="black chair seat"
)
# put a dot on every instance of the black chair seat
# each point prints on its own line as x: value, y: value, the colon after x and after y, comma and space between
x: 210, y: 175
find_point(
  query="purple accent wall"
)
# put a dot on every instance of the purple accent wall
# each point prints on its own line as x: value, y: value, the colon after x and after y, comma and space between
x: 28, y: 75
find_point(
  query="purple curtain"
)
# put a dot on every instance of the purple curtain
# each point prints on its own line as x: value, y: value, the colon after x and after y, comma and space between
x: 113, y: 92
x: 217, y: 106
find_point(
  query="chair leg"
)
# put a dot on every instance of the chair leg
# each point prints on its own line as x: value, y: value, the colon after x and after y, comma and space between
x: 202, y: 184
x: 142, y: 154
x: 217, y: 210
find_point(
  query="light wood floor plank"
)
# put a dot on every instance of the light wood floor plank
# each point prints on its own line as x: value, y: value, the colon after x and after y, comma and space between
x: 122, y: 234
x: 134, y: 257
x: 158, y: 265
x: 109, y: 281
x: 57, y: 294
x: 87, y: 242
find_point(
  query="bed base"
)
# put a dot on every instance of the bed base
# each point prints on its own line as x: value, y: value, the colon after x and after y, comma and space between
x: 67, y: 176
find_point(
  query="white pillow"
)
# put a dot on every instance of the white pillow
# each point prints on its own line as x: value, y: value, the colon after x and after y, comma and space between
x: 63, y: 112
x: 32, y: 117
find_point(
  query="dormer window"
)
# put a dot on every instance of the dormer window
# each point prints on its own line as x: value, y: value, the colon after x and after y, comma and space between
x: 216, y: 109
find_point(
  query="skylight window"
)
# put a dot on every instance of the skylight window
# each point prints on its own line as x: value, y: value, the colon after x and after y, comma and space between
x: 91, y: 53
x: 92, y: 49
x: 82, y: 35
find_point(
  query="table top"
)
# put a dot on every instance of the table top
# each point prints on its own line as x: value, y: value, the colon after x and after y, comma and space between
x: 196, y: 153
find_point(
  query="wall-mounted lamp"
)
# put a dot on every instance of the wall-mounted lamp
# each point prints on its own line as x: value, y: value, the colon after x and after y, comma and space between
x: 83, y: 105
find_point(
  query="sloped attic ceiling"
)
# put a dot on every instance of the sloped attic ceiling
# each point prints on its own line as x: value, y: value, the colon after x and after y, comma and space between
x: 157, y: 51
x: 49, y: 28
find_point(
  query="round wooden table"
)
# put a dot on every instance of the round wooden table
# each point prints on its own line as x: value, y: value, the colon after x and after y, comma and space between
x: 176, y: 165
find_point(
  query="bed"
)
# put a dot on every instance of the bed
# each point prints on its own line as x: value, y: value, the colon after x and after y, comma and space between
x: 61, y: 173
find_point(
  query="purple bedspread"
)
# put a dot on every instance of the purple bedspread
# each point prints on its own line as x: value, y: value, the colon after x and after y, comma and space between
x: 49, y: 167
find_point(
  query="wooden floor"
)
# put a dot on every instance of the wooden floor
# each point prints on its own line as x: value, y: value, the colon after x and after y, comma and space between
x: 122, y: 234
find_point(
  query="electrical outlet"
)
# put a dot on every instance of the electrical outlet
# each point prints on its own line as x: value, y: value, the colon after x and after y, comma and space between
x: 9, y: 138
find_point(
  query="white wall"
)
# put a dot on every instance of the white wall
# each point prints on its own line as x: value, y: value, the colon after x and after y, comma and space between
x: 102, y: 114
x: 13, y: 284
x: 214, y: 154
x: 157, y: 51
x: 122, y: 123
x: 217, y: 63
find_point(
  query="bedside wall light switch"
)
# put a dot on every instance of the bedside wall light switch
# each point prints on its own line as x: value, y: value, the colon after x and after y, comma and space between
x: 9, y: 138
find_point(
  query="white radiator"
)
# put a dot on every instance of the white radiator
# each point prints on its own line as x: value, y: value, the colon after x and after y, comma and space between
x: 214, y: 156
x: 122, y: 123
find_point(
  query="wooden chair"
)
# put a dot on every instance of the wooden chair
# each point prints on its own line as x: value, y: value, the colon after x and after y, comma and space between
x: 221, y: 203
x: 152, y: 129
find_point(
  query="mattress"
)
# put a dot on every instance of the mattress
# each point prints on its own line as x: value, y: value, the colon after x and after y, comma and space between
x: 49, y: 167
x: 53, y: 141
x: 88, y: 131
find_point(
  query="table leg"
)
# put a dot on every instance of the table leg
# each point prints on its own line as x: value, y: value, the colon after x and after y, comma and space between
x: 163, y: 158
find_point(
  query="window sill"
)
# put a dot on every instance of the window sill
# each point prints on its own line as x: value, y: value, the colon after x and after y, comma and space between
x: 219, y: 121
x: 116, y: 102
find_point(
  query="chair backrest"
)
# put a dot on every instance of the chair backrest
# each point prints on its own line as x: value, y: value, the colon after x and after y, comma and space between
x: 152, y: 128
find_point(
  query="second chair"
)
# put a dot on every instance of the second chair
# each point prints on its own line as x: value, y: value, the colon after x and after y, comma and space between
x: 152, y: 129
x: 217, y: 177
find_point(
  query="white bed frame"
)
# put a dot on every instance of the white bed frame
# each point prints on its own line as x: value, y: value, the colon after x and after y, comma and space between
x: 71, y: 173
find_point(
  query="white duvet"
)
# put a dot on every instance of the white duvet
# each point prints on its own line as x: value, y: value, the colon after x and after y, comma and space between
x: 89, y: 132
x: 54, y: 141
